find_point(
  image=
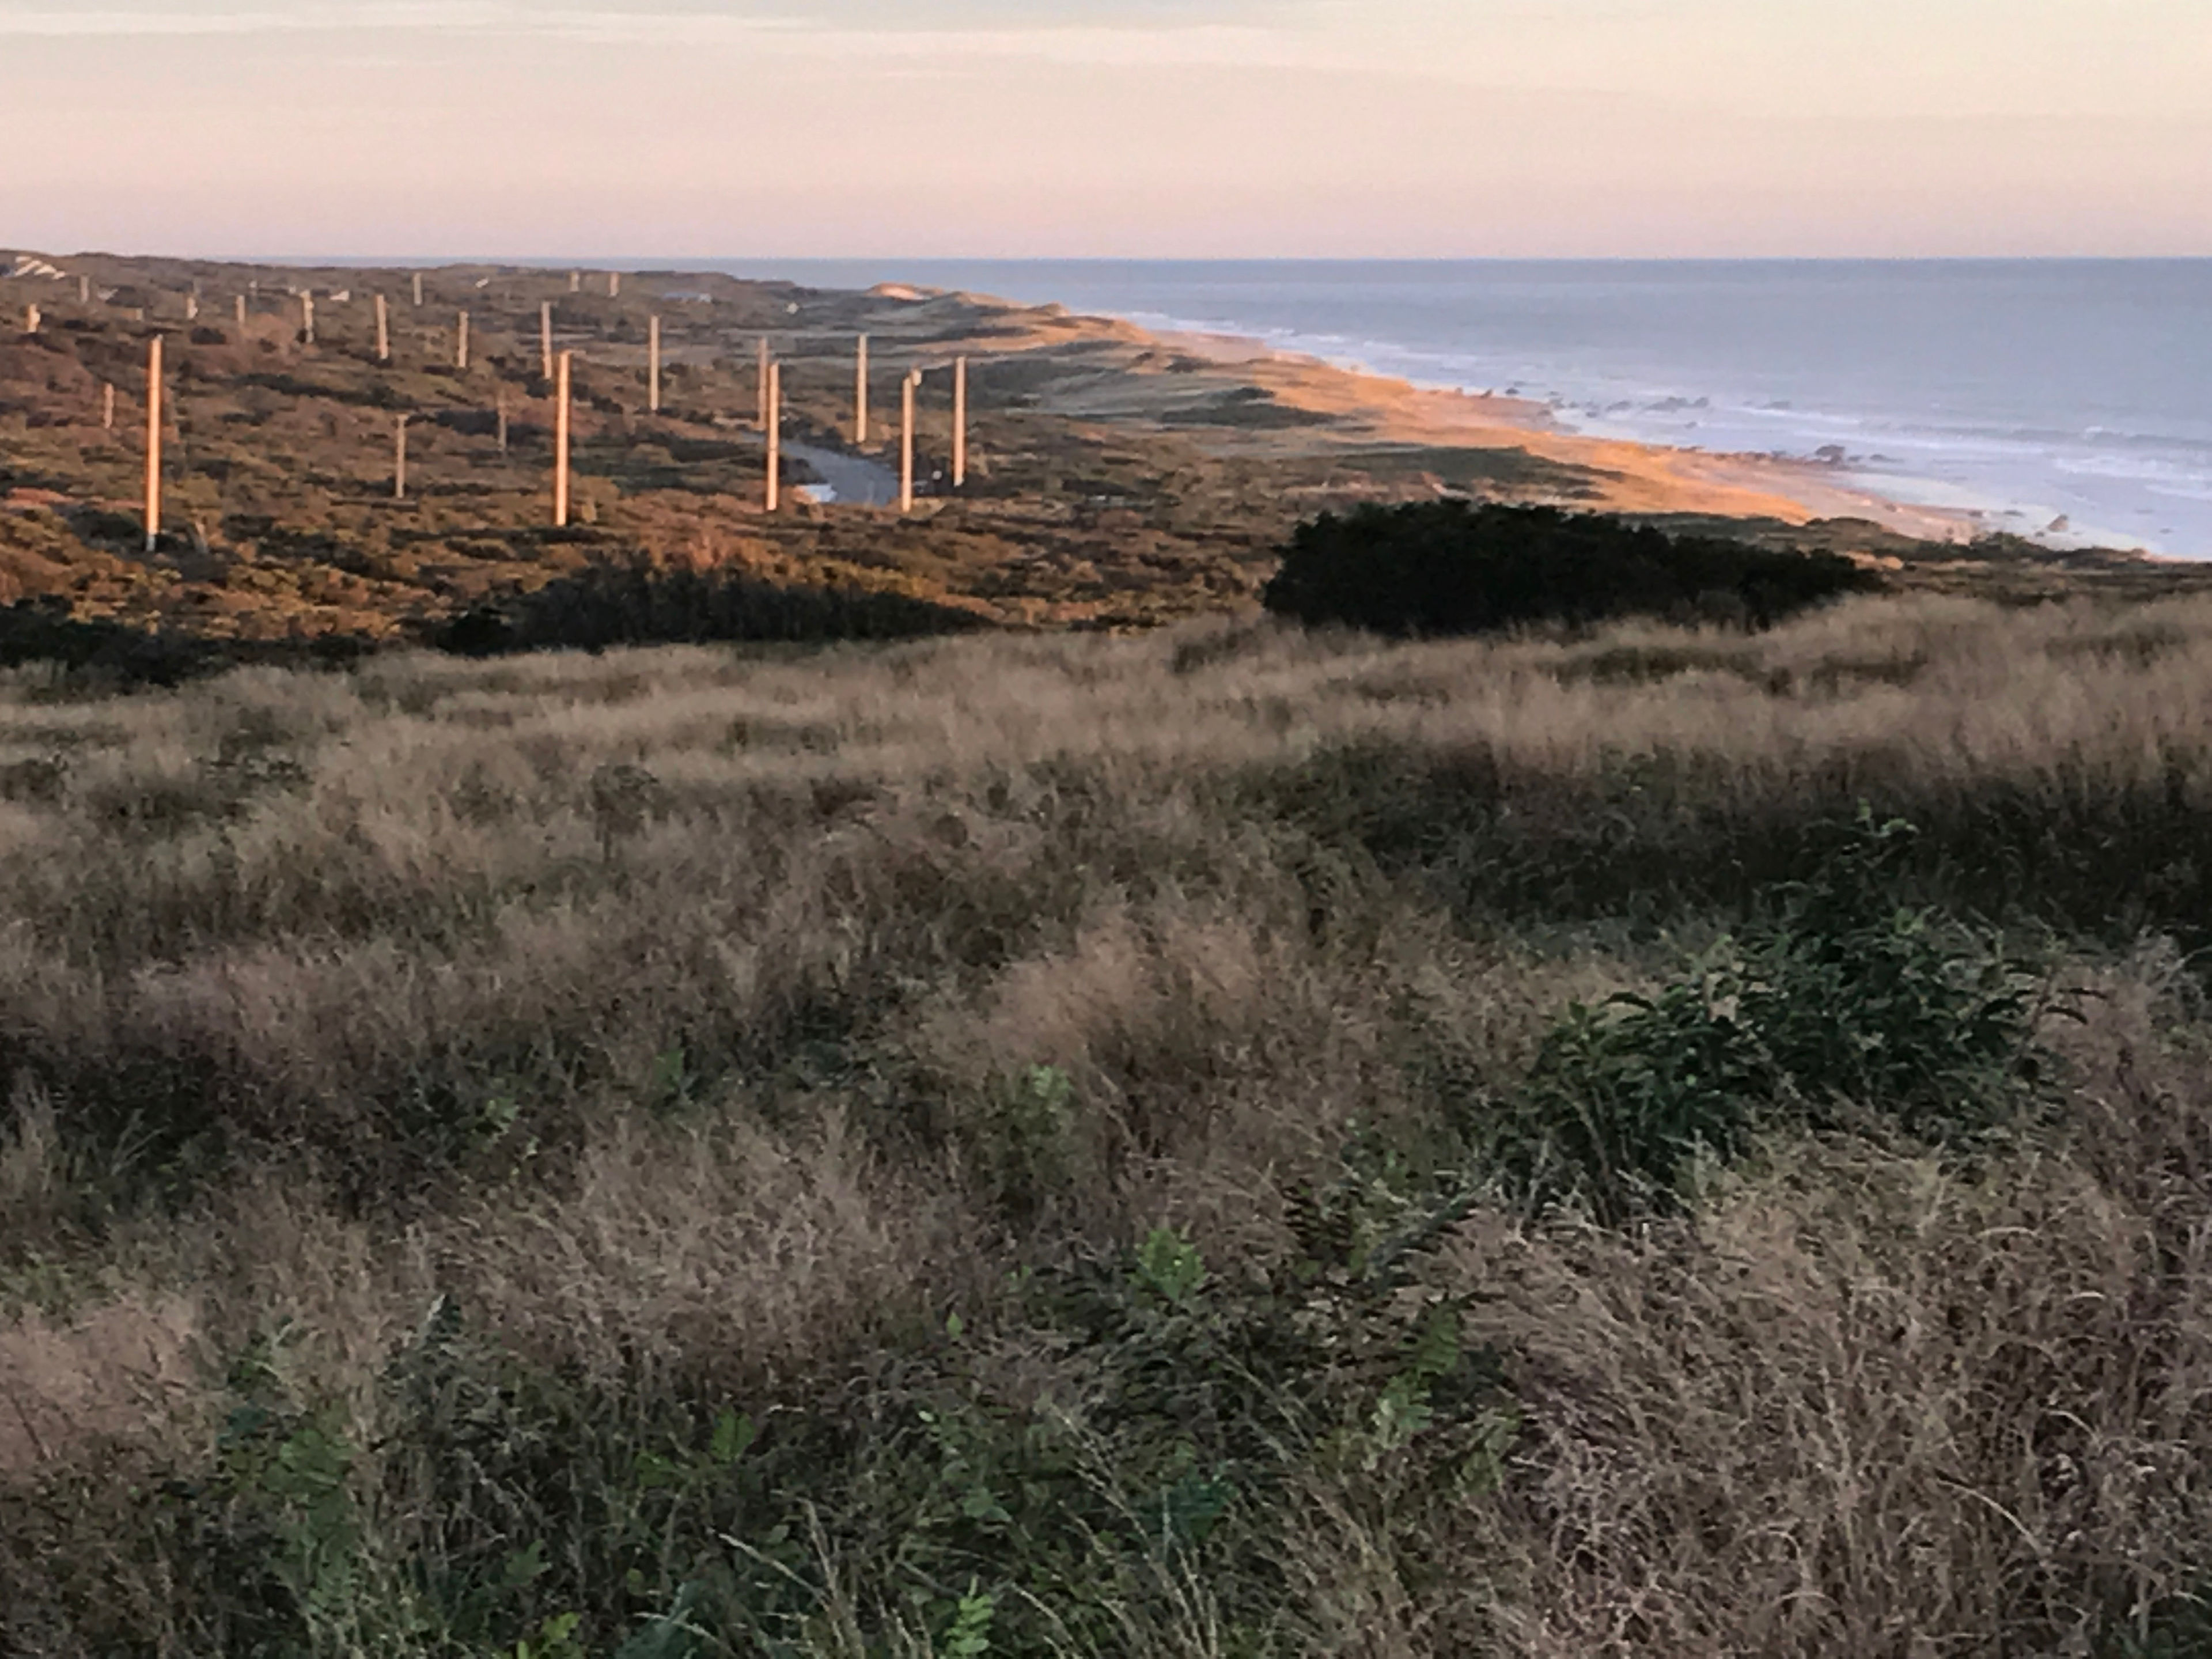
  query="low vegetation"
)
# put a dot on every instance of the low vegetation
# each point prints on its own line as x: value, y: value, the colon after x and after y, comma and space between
x: 1450, y: 567
x: 1103, y: 489
x: 1231, y: 1142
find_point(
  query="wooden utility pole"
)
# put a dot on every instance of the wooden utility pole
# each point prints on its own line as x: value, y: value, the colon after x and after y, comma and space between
x: 959, y: 422
x: 561, y: 445
x: 419, y: 289
x: 108, y: 407
x: 545, y: 336
x: 461, y: 342
x: 774, y: 427
x: 153, y: 443
x: 906, y: 446
x: 383, y: 332
x: 399, y: 459
x: 760, y: 380
x: 307, y: 318
x: 861, y: 394
x: 653, y: 365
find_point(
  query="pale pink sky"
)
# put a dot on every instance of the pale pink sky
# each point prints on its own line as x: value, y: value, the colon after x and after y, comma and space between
x: 612, y: 128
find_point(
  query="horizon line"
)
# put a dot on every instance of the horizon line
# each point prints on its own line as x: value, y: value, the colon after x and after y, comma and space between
x: 629, y: 264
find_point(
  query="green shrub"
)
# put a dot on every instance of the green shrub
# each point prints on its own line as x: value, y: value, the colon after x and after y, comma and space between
x: 1452, y: 567
x: 1843, y: 1004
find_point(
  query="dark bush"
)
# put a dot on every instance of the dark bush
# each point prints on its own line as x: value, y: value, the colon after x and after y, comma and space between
x: 639, y: 605
x: 102, y: 653
x: 1453, y: 567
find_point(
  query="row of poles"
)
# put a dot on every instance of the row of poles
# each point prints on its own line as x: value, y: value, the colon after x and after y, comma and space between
x: 770, y: 415
x: 559, y: 370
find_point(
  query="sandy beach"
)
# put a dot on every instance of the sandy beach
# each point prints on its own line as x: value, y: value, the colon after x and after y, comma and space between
x: 1174, y: 372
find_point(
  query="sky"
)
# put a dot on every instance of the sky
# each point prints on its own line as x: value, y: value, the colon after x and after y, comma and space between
x: 624, y: 129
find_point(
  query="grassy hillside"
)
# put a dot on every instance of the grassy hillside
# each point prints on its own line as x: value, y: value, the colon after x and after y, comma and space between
x: 1119, y: 481
x: 1158, y: 500
x: 1118, y: 1145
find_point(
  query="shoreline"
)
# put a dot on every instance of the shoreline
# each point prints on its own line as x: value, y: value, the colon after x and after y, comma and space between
x: 2000, y: 398
x: 1628, y: 474
x: 1655, y: 468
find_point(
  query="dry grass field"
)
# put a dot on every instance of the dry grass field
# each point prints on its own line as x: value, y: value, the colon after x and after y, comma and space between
x: 1119, y: 1146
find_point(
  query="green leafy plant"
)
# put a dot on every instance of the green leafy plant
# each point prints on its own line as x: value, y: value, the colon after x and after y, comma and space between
x: 1170, y: 1266
x: 555, y: 1639
x: 1021, y: 1140
x: 968, y: 1636
x: 1845, y: 1004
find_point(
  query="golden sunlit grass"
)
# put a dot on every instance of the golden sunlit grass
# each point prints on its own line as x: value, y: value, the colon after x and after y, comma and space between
x: 984, y: 1142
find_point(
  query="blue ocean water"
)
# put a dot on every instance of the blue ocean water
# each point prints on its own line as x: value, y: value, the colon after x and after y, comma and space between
x: 2067, y: 399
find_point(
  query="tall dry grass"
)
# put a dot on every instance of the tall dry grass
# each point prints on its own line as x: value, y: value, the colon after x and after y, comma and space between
x: 692, y: 1029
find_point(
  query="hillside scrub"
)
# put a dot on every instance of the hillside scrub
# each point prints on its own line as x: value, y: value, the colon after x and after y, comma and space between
x: 637, y: 603
x: 1232, y: 1141
x: 1452, y: 567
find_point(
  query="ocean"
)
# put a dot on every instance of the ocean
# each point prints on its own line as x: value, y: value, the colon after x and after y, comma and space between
x: 2066, y: 400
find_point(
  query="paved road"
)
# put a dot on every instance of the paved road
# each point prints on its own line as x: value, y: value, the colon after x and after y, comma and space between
x: 855, y: 478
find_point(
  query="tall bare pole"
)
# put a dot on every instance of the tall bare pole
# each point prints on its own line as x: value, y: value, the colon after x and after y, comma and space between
x: 418, y: 289
x: 108, y: 407
x: 307, y: 318
x: 561, y: 445
x: 503, y: 420
x: 773, y: 429
x: 959, y: 422
x: 653, y: 364
x: 399, y: 459
x: 906, y: 446
x: 861, y: 394
x: 461, y: 342
x: 383, y: 332
x: 545, y: 336
x: 153, y: 443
